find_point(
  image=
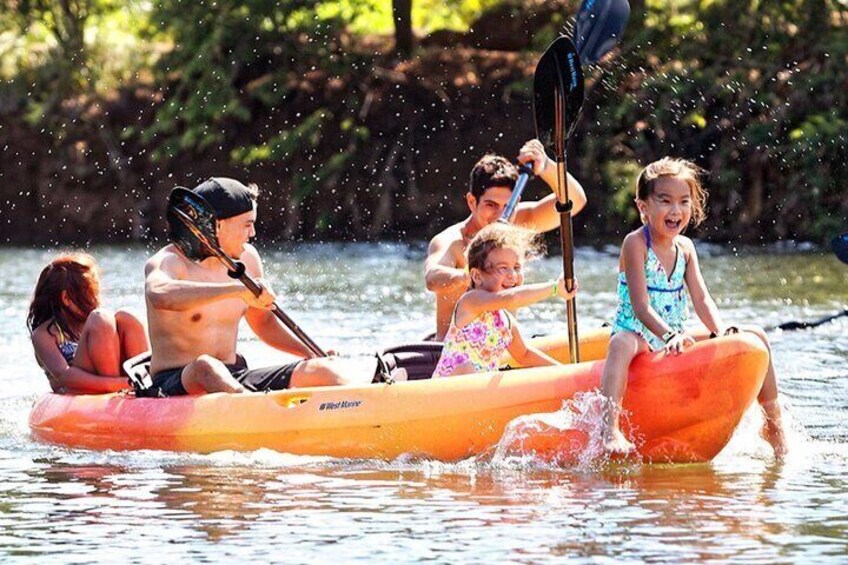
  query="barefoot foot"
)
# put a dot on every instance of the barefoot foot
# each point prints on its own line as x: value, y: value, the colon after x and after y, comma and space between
x: 616, y: 444
x: 772, y: 430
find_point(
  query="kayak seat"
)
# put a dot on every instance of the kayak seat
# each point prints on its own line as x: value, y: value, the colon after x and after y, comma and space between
x: 418, y: 359
x: 137, y: 370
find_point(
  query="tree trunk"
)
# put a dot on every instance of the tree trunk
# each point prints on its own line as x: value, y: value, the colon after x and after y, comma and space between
x: 402, y: 12
x: 69, y: 21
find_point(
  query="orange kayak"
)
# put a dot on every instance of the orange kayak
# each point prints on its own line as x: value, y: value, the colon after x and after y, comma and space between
x: 684, y: 408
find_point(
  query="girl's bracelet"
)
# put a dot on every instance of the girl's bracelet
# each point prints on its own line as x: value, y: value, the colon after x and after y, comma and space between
x: 669, y: 335
x: 556, y: 288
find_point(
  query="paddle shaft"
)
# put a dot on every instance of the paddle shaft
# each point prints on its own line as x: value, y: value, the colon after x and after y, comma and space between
x: 236, y: 270
x: 794, y: 325
x: 564, y: 205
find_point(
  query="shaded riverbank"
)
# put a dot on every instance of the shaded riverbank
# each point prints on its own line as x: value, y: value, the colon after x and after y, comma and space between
x: 349, y: 142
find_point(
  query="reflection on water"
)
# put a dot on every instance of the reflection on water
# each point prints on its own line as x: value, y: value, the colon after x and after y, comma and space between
x: 148, y: 507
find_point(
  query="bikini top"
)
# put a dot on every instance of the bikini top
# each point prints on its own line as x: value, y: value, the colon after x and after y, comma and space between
x: 67, y: 347
x: 481, y: 342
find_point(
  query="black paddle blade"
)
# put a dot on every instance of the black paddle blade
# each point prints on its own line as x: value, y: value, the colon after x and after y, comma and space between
x: 191, y: 224
x: 557, y: 95
x: 840, y: 247
x: 599, y: 26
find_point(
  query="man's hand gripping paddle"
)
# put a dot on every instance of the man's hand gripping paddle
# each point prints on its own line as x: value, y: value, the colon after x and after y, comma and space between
x: 193, y: 229
x: 598, y: 27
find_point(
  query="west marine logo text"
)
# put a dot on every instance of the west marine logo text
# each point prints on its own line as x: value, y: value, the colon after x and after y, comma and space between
x: 340, y: 405
x: 572, y: 66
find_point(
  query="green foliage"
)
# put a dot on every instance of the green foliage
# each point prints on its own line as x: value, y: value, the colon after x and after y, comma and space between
x: 51, y: 51
x: 751, y: 90
x: 621, y: 175
x: 738, y: 86
x: 430, y: 15
x: 229, y: 55
x: 375, y: 16
x: 234, y: 61
x: 306, y: 135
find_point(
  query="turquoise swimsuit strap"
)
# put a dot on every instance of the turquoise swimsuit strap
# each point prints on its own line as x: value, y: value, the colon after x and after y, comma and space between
x: 669, y: 276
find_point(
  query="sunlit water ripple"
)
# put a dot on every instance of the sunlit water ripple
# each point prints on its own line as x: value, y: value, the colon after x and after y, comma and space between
x: 79, y: 506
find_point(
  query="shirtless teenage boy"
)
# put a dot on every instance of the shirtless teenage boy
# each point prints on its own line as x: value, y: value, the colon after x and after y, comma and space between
x: 492, y: 181
x: 194, y: 309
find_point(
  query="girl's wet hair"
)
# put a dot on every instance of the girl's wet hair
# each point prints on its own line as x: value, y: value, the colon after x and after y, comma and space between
x: 525, y: 243
x: 78, y: 275
x: 491, y: 170
x: 682, y: 169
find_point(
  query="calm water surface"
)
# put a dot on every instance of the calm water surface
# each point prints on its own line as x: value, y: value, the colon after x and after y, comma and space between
x: 74, y: 506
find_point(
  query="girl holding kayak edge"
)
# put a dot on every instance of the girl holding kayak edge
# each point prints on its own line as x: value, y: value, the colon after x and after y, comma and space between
x: 656, y: 262
x: 79, y: 345
x: 482, y: 328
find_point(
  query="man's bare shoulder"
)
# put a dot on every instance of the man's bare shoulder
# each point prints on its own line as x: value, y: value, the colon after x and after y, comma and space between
x: 250, y: 253
x: 168, y: 259
x: 250, y: 258
x: 449, y: 237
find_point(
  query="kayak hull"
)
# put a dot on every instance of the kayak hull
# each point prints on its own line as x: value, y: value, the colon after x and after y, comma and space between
x: 683, y: 408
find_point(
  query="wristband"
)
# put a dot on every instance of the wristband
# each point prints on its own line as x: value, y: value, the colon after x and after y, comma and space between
x: 669, y: 335
x: 556, y: 289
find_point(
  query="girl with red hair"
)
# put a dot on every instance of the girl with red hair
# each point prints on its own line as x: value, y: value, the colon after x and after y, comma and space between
x: 80, y: 345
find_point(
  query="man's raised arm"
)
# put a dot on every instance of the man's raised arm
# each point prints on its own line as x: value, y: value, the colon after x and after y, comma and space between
x: 166, y: 289
x: 440, y: 269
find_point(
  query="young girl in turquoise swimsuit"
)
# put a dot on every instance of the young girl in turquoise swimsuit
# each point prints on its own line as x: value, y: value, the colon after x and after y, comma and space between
x: 482, y: 329
x: 79, y: 345
x: 656, y: 262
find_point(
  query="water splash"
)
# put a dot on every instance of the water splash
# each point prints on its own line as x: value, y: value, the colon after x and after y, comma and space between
x: 747, y: 446
x: 569, y: 438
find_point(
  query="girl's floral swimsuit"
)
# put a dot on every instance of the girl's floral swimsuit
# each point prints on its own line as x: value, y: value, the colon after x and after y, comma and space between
x: 482, y: 343
x: 666, y: 296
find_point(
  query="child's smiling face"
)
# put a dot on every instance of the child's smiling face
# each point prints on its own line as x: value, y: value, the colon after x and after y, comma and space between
x: 668, y: 209
x: 504, y: 268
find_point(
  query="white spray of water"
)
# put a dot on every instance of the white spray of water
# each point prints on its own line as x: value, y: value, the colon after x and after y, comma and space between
x: 573, y: 437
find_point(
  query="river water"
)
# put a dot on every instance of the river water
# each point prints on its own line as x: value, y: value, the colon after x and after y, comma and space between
x: 64, y: 505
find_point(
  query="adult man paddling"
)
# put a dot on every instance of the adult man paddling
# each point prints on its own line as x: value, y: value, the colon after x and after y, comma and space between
x: 194, y: 309
x: 491, y: 184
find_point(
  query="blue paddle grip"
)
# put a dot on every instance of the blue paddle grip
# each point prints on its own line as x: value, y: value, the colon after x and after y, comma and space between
x: 525, y: 172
